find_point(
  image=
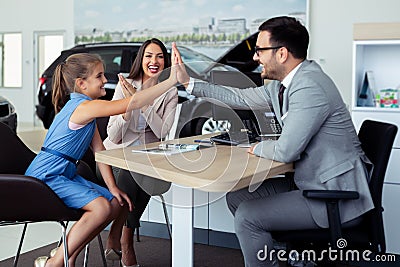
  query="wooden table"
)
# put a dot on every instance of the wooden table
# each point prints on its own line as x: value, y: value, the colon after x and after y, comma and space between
x: 213, y: 169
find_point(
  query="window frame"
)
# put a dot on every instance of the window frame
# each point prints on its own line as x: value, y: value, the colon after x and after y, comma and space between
x: 11, y: 78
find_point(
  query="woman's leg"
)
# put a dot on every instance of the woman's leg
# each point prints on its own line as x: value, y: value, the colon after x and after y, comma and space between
x: 128, y: 248
x: 133, y: 221
x: 98, y: 214
x: 116, y: 229
x: 140, y: 200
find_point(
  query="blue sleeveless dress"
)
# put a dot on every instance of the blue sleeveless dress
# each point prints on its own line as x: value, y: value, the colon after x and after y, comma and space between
x: 59, y: 173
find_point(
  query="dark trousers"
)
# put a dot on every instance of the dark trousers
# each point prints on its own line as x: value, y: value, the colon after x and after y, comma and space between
x: 137, y: 195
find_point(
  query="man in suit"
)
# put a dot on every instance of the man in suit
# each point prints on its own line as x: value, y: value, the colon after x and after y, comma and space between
x: 317, y: 135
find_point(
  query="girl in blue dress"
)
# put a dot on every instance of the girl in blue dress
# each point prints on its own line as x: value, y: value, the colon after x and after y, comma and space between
x: 73, y: 130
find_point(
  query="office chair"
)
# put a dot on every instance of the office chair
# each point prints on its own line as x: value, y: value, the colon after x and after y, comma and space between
x: 376, y: 140
x: 25, y: 199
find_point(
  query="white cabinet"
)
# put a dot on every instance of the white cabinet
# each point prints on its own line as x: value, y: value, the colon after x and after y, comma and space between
x: 221, y: 218
x: 155, y: 213
x: 210, y: 211
x: 380, y: 57
x: 391, y: 217
x: 376, y: 48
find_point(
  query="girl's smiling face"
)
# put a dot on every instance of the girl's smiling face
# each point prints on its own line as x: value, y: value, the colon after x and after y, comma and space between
x: 94, y: 84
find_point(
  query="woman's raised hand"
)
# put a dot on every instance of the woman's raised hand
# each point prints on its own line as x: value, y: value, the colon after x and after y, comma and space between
x: 127, y: 88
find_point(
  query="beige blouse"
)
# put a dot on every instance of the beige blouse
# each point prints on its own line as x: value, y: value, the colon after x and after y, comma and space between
x: 159, y: 118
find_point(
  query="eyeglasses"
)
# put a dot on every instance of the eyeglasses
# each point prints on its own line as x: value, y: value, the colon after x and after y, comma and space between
x: 258, y: 49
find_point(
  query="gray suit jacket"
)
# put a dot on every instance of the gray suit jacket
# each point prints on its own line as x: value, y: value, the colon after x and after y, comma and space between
x: 317, y: 135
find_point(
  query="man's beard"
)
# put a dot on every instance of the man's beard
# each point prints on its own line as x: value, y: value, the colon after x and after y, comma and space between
x: 270, y: 75
x: 275, y: 72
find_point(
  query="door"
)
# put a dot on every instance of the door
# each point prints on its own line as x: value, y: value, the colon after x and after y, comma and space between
x: 47, y: 47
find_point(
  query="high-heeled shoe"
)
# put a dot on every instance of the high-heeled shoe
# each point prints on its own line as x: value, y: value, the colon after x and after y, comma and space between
x: 123, y: 265
x: 112, y: 254
x: 41, y: 261
x: 53, y: 252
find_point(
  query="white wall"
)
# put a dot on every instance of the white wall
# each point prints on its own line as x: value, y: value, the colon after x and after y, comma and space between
x: 26, y: 17
x: 331, y: 31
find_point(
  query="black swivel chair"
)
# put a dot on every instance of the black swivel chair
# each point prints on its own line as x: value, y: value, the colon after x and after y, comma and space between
x: 25, y: 199
x: 376, y: 140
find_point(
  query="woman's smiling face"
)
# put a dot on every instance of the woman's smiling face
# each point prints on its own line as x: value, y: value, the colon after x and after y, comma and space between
x: 153, y: 61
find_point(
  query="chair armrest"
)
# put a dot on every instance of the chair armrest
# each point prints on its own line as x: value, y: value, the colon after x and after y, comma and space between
x: 331, y: 199
x: 330, y: 194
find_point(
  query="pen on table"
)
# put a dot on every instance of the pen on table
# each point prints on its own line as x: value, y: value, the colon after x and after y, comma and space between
x: 182, y: 146
x: 203, y: 141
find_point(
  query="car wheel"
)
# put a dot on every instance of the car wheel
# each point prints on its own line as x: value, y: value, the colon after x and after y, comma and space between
x: 205, y: 126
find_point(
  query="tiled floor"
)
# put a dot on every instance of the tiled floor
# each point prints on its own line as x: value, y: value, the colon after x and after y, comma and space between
x: 33, y: 138
x: 28, y: 126
x: 37, y: 235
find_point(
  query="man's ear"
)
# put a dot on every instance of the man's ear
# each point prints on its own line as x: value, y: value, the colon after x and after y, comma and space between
x: 282, y: 54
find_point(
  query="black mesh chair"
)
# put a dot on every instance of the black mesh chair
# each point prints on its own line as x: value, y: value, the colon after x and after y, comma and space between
x: 26, y: 199
x: 376, y: 140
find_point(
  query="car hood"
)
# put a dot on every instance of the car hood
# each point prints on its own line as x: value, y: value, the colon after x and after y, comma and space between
x: 241, y: 55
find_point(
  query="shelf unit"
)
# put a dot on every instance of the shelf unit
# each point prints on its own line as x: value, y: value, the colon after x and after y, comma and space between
x: 376, y: 47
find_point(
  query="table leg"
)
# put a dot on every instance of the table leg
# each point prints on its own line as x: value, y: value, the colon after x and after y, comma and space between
x: 182, y: 226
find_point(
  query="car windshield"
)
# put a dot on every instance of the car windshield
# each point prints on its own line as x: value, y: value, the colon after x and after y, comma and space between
x: 198, y: 62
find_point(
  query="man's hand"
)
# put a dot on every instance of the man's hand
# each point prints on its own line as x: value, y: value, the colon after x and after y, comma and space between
x: 181, y: 73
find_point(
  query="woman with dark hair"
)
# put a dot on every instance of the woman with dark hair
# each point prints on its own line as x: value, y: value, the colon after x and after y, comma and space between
x: 149, y: 124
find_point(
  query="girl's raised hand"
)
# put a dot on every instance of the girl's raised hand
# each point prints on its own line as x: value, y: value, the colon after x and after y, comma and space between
x: 174, y: 64
x: 176, y: 60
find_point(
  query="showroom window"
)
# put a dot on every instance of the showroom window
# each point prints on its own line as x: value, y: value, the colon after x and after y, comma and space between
x: 10, y: 59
